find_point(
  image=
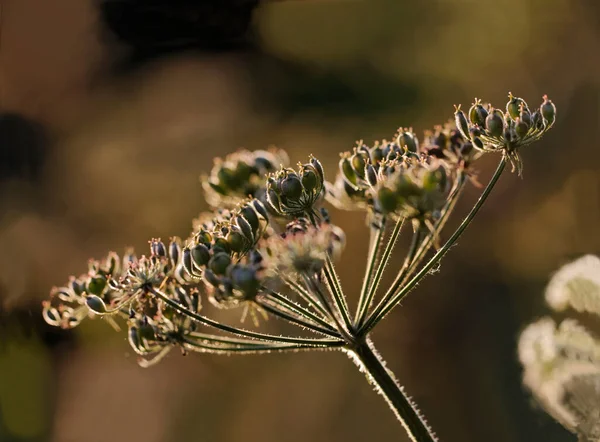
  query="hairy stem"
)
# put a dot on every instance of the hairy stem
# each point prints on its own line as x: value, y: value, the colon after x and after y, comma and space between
x: 389, y: 302
x: 372, y: 365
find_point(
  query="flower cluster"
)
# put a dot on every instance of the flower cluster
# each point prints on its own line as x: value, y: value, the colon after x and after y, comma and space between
x: 302, y: 248
x: 562, y: 364
x: 491, y: 129
x: 292, y: 193
x: 241, y: 175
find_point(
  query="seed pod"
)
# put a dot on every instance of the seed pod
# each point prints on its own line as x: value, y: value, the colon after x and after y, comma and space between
x: 408, y: 141
x: 113, y: 263
x: 478, y: 114
x: 513, y: 107
x: 220, y: 244
x: 376, y: 155
x: 525, y: 116
x: 371, y: 175
x: 310, y: 181
x: 548, y: 110
x: 219, y: 263
x: 211, y: 278
x: 245, y: 228
x: 347, y: 171
x: 175, y: 250
x: 274, y: 200
x: 291, y: 186
x: 478, y: 143
x: 521, y: 128
x: 461, y: 123
x: 200, y: 255
x: 494, y: 123
x: 388, y: 202
x: 187, y: 262
x: 358, y: 164
x: 96, y: 285
x: 236, y: 241
x: 244, y: 279
x: 249, y: 213
x: 260, y: 208
x: 227, y: 178
x: 95, y: 304
x: 157, y: 248
x: 318, y: 168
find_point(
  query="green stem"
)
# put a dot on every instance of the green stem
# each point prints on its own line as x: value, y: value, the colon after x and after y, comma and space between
x: 374, y: 246
x: 386, y: 305
x: 380, y: 268
x: 368, y: 361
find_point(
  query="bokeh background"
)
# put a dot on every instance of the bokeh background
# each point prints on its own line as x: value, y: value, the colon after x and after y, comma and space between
x: 109, y: 112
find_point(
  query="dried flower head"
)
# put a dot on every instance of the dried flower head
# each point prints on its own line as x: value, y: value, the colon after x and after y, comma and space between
x: 241, y: 175
x: 268, y: 248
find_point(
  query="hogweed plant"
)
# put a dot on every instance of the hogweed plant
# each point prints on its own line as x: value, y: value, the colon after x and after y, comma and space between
x: 269, y: 245
x: 562, y: 363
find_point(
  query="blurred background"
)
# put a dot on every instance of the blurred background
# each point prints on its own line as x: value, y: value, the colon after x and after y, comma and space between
x: 109, y: 112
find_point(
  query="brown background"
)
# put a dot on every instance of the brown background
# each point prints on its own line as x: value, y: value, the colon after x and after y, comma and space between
x: 119, y: 161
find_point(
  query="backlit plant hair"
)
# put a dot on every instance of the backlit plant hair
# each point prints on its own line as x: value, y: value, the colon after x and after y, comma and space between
x: 269, y: 245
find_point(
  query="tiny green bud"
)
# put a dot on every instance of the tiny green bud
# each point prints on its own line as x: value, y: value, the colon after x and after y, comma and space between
x: 219, y: 263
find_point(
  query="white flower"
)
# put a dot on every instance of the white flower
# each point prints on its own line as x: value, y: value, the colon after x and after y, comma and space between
x: 577, y: 285
x: 562, y: 369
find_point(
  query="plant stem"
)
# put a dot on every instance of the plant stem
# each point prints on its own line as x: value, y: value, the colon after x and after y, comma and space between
x: 379, y: 271
x: 393, y: 298
x: 375, y: 243
x: 369, y: 362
